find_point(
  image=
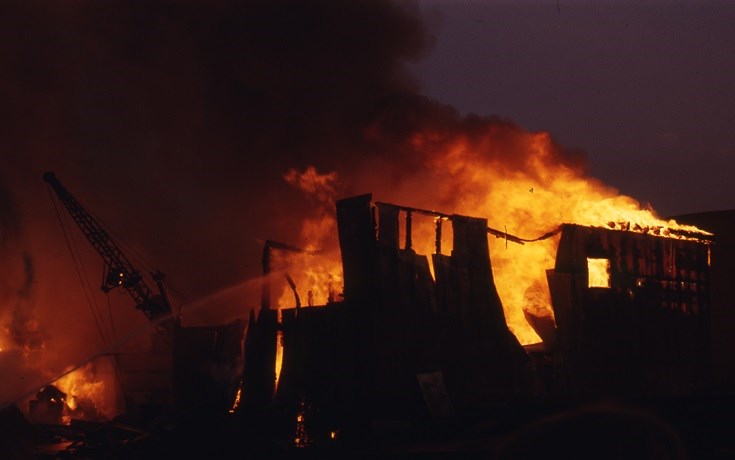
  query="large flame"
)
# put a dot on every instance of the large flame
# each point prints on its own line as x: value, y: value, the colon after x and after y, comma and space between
x: 317, y: 272
x: 521, y: 182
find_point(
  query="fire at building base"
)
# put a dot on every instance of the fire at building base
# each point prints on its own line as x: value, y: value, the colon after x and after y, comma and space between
x: 415, y: 355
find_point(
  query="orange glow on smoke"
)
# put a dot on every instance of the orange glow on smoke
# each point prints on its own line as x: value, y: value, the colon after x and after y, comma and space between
x: 4, y: 341
x: 520, y: 182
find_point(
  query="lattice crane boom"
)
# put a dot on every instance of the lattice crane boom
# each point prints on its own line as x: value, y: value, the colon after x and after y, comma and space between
x: 119, y: 271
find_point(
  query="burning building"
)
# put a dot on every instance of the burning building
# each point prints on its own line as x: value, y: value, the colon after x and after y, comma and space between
x: 416, y: 314
x: 425, y: 337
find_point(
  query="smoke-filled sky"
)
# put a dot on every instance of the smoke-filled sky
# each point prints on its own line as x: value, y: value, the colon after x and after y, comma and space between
x: 187, y: 125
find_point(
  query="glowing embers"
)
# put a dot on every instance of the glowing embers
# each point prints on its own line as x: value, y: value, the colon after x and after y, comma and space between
x: 301, y: 437
x: 598, y: 273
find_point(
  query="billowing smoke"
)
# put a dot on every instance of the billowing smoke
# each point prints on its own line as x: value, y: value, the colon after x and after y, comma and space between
x: 180, y: 123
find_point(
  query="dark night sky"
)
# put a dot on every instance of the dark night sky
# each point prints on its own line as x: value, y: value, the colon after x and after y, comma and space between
x: 646, y: 89
x: 176, y: 123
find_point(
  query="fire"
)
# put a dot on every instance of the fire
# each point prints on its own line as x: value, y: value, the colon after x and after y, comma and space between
x: 317, y: 277
x: 598, y: 271
x: 236, y: 402
x: 88, y: 394
x: 279, y: 354
x: 317, y: 271
x: 301, y: 436
x: 522, y: 182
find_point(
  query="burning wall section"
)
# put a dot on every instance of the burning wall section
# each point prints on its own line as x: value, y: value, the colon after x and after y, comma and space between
x: 454, y: 325
x: 644, y: 334
x: 366, y: 357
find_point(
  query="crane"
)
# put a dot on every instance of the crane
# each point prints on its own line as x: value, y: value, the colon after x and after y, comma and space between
x: 191, y: 368
x: 118, y: 270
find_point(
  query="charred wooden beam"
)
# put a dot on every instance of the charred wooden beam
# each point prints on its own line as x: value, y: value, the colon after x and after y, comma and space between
x: 409, y: 230
x: 268, y: 247
x: 440, y: 215
x: 438, y: 241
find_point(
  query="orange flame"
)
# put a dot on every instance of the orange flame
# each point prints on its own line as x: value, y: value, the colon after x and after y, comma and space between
x: 317, y: 272
x: 90, y: 395
x: 521, y: 182
x: 598, y: 272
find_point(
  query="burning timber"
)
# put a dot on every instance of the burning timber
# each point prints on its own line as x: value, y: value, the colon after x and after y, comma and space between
x: 631, y: 319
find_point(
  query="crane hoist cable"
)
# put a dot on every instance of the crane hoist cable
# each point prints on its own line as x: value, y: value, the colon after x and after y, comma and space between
x: 78, y: 268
